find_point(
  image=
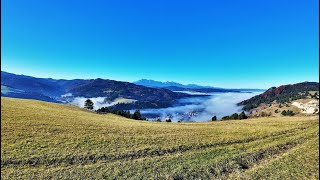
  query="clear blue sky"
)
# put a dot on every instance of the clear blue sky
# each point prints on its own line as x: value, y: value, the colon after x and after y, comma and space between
x: 246, y: 43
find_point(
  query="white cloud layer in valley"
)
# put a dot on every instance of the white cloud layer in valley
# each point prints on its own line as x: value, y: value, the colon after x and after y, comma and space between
x: 218, y: 104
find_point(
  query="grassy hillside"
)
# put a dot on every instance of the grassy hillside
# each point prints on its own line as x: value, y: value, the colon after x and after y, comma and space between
x: 283, y: 94
x: 46, y: 140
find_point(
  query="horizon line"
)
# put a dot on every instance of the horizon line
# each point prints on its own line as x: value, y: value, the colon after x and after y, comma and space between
x: 146, y: 79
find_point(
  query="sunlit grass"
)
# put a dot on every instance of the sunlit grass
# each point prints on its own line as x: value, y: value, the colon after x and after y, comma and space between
x: 43, y: 140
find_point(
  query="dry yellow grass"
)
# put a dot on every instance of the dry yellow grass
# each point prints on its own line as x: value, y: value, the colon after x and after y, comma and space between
x: 46, y: 140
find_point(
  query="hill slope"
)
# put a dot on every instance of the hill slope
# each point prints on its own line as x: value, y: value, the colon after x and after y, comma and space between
x: 52, y: 90
x: 281, y: 94
x: 47, y: 140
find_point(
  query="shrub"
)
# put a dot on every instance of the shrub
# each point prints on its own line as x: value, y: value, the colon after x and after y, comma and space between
x: 287, y: 113
x: 225, y: 117
x: 284, y: 112
x: 234, y: 116
x: 242, y: 115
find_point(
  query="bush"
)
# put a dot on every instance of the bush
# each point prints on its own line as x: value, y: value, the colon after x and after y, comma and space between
x: 242, y: 115
x: 214, y: 118
x: 168, y: 120
x: 284, y: 112
x: 225, y: 117
x: 287, y: 113
x: 234, y: 116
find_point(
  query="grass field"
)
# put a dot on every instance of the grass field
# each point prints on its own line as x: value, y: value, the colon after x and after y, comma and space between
x: 42, y: 140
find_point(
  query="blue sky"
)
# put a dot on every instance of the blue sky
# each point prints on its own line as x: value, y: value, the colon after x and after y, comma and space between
x: 247, y: 43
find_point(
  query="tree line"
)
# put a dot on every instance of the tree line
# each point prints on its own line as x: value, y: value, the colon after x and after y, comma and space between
x: 234, y: 116
x: 88, y: 104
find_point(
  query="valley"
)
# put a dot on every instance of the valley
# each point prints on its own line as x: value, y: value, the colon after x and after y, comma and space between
x: 200, y: 109
x: 180, y: 140
x: 166, y: 100
x: 160, y: 90
x: 66, y: 91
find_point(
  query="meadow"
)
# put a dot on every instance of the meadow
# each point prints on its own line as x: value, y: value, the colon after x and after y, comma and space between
x: 41, y: 140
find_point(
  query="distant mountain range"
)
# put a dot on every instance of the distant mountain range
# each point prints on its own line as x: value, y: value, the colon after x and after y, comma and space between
x: 281, y: 94
x: 159, y: 84
x: 174, y: 86
x: 60, y: 90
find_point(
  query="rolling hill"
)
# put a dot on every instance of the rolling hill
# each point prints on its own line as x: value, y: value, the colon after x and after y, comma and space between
x: 41, y: 140
x: 281, y: 94
x: 55, y: 90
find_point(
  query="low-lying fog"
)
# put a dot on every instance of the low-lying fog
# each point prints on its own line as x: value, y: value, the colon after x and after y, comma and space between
x: 98, y: 102
x: 201, y: 108
x: 187, y: 109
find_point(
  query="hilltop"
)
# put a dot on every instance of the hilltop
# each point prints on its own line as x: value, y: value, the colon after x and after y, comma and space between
x: 49, y: 140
